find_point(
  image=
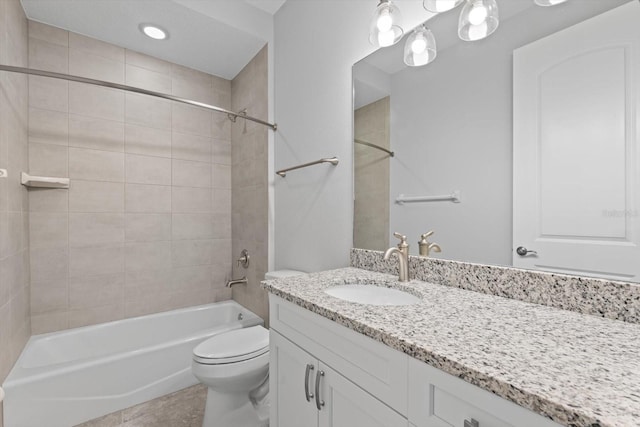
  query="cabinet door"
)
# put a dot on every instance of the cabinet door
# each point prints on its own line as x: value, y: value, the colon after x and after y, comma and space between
x: 347, y: 405
x: 287, y: 368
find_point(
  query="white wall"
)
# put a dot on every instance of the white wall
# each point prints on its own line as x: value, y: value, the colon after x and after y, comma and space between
x: 316, y: 44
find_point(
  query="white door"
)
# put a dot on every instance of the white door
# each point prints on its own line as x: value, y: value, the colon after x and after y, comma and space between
x: 287, y: 367
x: 347, y: 405
x: 576, y: 177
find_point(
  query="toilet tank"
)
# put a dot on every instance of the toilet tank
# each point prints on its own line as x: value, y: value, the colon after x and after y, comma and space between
x: 279, y: 274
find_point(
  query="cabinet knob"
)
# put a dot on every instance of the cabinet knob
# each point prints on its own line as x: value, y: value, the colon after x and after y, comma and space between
x: 472, y: 423
x: 307, y: 371
x: 319, y: 403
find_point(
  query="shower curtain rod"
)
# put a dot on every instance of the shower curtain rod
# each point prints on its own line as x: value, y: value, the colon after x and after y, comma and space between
x: 230, y: 114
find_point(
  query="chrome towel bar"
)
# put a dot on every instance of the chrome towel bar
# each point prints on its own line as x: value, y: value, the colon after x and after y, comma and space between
x: 453, y: 197
x: 333, y: 160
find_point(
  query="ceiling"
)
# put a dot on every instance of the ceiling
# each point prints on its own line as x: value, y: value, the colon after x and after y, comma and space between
x: 215, y: 36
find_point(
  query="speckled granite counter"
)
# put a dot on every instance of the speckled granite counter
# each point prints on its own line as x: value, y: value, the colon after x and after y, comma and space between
x: 579, y: 370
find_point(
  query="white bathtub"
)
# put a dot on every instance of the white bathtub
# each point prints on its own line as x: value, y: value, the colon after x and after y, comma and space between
x: 65, y: 378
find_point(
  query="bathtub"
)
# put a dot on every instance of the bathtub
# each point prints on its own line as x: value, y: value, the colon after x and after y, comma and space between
x: 65, y: 378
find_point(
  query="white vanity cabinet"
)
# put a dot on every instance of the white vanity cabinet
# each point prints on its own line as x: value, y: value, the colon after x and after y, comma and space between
x: 308, y: 393
x: 326, y: 375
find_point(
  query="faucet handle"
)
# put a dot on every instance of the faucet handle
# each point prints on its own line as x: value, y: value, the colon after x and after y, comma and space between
x: 423, y: 237
x: 403, y: 240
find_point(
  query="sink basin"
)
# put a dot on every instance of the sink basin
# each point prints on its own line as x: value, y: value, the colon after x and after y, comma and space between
x: 371, y: 294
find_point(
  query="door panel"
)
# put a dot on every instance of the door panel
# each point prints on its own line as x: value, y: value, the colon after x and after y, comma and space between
x: 287, y: 368
x: 347, y: 405
x: 575, y: 148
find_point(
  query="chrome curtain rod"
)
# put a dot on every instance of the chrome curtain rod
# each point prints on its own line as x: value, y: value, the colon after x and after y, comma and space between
x: 230, y: 114
x: 333, y: 160
x: 377, y: 147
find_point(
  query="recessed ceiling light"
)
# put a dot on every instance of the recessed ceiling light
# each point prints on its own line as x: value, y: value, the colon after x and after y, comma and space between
x: 153, y: 31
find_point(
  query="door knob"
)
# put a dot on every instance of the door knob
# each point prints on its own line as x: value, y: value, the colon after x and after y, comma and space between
x: 522, y: 251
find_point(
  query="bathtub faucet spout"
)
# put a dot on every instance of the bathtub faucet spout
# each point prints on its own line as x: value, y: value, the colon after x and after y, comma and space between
x: 230, y: 283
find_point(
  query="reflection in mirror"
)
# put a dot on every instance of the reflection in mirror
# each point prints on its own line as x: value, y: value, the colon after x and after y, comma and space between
x: 535, y: 126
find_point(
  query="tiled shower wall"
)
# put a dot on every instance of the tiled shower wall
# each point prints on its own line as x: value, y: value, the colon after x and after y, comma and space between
x: 249, y: 178
x: 15, y: 325
x: 146, y: 224
x: 371, y: 176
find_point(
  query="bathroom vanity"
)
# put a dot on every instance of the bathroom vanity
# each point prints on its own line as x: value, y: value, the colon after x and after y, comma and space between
x: 455, y: 358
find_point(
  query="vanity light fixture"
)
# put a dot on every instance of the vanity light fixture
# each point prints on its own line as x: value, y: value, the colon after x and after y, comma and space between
x: 548, y: 2
x: 385, y: 29
x: 439, y: 6
x: 478, y: 19
x: 420, y: 47
x: 153, y: 31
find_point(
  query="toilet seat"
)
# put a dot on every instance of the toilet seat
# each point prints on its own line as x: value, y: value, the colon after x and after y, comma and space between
x: 233, y: 346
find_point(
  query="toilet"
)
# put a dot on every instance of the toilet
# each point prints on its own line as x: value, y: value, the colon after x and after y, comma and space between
x: 234, y: 366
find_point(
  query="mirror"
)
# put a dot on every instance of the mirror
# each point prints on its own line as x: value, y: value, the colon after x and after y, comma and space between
x: 464, y: 124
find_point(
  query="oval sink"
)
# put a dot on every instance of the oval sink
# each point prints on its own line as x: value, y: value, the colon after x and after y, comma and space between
x: 371, y: 294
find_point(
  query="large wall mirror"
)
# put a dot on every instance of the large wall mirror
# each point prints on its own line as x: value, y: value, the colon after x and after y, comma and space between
x: 526, y: 139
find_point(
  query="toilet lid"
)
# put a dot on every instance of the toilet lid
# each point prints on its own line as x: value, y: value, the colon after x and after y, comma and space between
x: 233, y: 346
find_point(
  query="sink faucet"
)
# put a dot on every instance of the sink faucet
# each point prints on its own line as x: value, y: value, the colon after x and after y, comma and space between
x: 402, y: 251
x: 426, y: 247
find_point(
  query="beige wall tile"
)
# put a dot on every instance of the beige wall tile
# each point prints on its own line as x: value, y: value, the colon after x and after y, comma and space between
x: 95, y: 133
x: 186, y: 173
x: 96, y: 260
x: 48, y: 200
x: 93, y: 196
x: 84, y: 64
x: 147, y: 227
x: 87, y: 229
x: 48, y: 94
x: 191, y: 147
x: 47, y: 56
x: 191, y: 252
x: 94, y: 315
x: 221, y: 176
x: 221, y: 127
x: 221, y: 226
x: 48, y: 33
x: 191, y: 226
x: 49, y: 322
x: 147, y: 141
x: 96, y: 291
x: 141, y: 284
x: 147, y: 62
x: 193, y: 120
x: 221, y: 152
x: 148, y: 111
x: 96, y: 165
x: 148, y: 256
x: 49, y: 264
x: 49, y: 295
x: 192, y: 278
x: 96, y: 47
x: 148, y: 170
x: 190, y: 200
x: 148, y: 198
x: 49, y: 127
x: 95, y: 101
x: 48, y: 230
x: 147, y: 79
x: 48, y: 160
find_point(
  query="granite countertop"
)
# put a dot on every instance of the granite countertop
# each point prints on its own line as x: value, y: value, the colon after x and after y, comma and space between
x: 576, y: 369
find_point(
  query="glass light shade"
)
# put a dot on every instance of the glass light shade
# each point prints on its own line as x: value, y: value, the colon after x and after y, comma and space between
x: 439, y: 6
x: 420, y: 47
x: 478, y: 19
x: 385, y: 29
x: 548, y: 2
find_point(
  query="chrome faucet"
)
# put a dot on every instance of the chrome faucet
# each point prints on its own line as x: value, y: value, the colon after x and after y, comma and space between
x: 402, y: 251
x: 425, y: 246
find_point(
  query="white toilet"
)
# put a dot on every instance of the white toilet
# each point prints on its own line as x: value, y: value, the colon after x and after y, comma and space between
x: 234, y: 366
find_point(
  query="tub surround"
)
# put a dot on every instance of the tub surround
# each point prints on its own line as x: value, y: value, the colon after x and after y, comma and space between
x: 604, y: 298
x: 575, y: 369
